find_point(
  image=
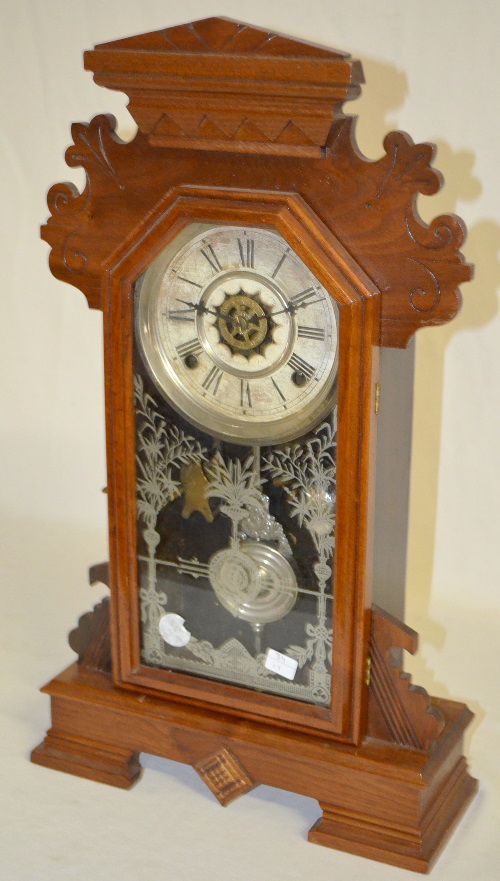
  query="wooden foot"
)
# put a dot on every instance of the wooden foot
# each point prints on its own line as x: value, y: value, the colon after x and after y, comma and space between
x: 88, y: 758
x: 414, y: 844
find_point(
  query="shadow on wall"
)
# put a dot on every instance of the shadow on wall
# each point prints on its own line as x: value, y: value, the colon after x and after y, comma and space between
x: 386, y: 91
x: 480, y: 305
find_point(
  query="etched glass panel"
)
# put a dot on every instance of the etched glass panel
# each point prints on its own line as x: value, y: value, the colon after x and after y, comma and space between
x: 235, y: 553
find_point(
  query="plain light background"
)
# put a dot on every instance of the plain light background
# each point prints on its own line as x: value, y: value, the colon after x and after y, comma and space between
x: 432, y: 69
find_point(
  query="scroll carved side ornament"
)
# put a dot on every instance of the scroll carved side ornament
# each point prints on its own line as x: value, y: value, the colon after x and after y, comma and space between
x: 417, y: 266
x: 370, y: 206
x: 91, y: 639
x: 70, y: 228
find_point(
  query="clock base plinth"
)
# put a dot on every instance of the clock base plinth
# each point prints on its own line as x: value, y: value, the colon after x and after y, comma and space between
x: 379, y: 800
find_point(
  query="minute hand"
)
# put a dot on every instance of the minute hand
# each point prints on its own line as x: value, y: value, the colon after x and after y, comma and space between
x: 292, y: 308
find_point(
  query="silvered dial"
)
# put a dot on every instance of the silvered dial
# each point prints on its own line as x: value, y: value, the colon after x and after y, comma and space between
x: 239, y: 334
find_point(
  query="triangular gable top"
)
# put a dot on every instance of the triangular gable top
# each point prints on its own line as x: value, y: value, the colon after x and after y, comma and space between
x: 223, y: 36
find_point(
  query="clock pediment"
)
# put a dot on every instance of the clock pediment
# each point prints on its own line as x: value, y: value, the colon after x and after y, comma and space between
x: 211, y: 84
x: 223, y: 36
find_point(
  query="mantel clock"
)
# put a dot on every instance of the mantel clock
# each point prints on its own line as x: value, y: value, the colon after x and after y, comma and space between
x: 256, y: 276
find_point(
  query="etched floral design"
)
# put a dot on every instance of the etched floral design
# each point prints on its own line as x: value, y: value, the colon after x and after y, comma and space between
x: 307, y: 473
x: 161, y: 452
x: 238, y: 484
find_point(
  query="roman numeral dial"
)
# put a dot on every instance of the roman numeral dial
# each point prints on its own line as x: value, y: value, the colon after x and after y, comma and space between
x: 212, y: 380
x: 211, y: 258
x: 191, y: 347
x: 239, y: 334
x: 310, y: 333
x: 190, y: 351
x: 247, y: 252
x: 245, y: 394
x: 304, y: 298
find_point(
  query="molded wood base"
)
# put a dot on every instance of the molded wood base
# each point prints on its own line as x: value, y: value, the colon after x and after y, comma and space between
x: 379, y: 800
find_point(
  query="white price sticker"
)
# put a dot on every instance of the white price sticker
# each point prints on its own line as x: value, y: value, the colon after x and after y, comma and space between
x: 172, y: 630
x: 281, y: 664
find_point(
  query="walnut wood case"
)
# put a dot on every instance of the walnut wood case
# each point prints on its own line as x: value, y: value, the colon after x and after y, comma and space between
x: 240, y: 126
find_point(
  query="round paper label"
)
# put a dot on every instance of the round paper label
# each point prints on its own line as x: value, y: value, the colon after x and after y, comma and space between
x: 172, y: 630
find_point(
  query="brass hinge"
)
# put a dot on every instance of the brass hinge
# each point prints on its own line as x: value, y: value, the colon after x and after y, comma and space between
x: 368, y: 674
x: 377, y: 398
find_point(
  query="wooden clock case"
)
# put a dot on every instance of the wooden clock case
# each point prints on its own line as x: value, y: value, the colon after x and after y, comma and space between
x: 238, y: 125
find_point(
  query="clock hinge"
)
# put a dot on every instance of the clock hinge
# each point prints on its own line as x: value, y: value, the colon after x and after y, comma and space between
x: 377, y: 398
x: 368, y: 671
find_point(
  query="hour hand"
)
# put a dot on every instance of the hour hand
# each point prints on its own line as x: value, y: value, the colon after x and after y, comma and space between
x: 198, y: 307
x: 201, y: 309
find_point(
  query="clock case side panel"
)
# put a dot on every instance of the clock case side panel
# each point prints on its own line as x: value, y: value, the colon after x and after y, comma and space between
x: 359, y: 329
x: 392, y: 481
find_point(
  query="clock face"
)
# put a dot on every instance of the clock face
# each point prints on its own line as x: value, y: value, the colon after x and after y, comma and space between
x: 238, y: 333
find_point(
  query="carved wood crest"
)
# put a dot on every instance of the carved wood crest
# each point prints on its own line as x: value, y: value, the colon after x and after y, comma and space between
x: 370, y: 206
x: 219, y: 84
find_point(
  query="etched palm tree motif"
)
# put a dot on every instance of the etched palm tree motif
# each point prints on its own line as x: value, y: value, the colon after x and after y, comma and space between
x: 307, y: 473
x: 252, y: 579
x: 161, y: 452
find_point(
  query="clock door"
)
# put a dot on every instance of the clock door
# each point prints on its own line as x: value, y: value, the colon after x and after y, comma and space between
x: 246, y: 350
